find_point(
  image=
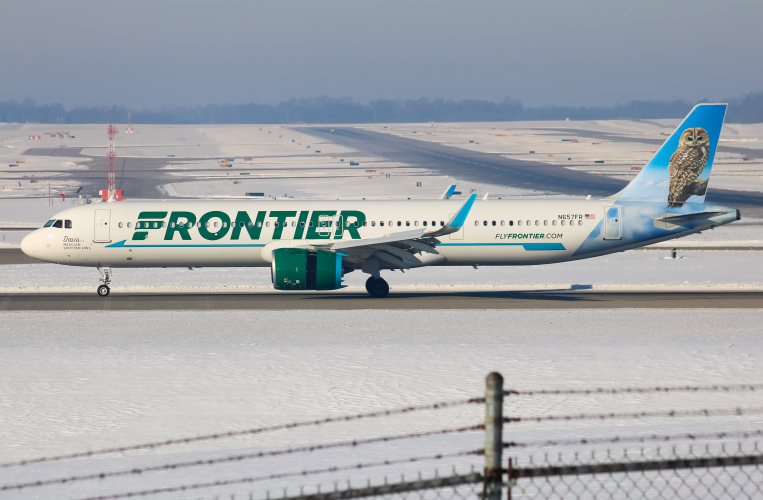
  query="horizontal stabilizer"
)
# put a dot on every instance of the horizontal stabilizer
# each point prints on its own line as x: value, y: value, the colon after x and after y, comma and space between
x: 671, y: 221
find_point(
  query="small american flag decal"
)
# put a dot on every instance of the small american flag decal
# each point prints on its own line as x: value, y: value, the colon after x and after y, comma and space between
x: 590, y: 216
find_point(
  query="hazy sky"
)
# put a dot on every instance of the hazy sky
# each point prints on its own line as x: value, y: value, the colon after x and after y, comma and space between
x: 169, y: 52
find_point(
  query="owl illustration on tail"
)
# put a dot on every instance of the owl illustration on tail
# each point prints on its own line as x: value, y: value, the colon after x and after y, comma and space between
x: 686, y: 164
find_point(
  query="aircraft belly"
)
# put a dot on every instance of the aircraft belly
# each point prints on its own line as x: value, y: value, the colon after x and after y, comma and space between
x: 170, y: 256
x: 492, y: 254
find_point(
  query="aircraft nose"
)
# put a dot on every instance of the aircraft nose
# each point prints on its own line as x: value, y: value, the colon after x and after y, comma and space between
x: 27, y: 244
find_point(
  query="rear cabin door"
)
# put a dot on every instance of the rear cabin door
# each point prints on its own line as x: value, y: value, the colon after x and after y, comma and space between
x: 102, y: 222
x: 613, y: 224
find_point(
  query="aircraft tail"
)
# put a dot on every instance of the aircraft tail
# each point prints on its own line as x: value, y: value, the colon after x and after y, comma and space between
x: 680, y: 170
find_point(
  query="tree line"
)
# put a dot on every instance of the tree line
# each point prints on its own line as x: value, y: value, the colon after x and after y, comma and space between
x: 746, y: 109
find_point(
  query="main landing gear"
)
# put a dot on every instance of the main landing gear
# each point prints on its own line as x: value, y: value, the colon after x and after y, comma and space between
x: 103, y: 290
x: 377, y: 287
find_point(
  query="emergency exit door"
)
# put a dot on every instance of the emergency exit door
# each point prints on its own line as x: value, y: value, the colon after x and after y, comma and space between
x: 102, y: 223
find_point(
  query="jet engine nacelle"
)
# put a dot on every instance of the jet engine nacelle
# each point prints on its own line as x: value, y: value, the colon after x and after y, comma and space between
x: 301, y: 269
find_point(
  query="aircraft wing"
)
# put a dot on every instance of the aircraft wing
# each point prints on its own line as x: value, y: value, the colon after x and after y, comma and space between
x: 399, y: 249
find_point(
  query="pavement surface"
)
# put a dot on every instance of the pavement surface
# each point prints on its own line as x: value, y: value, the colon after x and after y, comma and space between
x: 492, y: 168
x: 562, y: 299
x: 15, y: 256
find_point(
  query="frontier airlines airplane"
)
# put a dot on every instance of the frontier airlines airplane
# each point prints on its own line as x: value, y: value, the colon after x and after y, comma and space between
x: 311, y: 245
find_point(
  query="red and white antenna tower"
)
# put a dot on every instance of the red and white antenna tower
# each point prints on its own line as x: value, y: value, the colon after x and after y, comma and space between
x: 111, y: 155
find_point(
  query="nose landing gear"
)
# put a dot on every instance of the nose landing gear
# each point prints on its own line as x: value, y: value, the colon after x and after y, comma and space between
x: 103, y: 290
x: 377, y: 287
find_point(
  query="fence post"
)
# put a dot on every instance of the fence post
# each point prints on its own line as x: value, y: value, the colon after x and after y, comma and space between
x: 493, y: 436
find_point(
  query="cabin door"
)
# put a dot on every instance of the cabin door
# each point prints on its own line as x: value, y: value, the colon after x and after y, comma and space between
x: 613, y: 224
x: 102, y: 232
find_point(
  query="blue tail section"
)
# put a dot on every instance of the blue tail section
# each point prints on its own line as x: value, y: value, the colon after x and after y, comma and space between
x: 680, y: 170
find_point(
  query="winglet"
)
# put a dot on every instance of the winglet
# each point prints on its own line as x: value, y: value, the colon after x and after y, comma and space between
x: 448, y: 192
x: 457, y: 221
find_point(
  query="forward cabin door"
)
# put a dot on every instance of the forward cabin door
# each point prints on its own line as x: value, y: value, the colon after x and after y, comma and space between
x: 458, y: 235
x: 102, y: 232
x: 613, y: 224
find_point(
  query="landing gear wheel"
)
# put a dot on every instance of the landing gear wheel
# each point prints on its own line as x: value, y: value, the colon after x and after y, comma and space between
x: 377, y: 288
x: 103, y: 291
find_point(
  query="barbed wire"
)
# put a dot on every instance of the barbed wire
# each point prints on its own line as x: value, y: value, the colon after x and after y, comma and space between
x: 309, y: 472
x: 644, y: 414
x: 636, y: 390
x: 636, y: 439
x: 246, y: 432
x: 233, y: 458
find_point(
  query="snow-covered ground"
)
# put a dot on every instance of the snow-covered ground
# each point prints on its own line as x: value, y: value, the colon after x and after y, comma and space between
x: 75, y: 381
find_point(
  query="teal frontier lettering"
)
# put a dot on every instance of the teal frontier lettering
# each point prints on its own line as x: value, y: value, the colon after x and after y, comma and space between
x: 274, y: 225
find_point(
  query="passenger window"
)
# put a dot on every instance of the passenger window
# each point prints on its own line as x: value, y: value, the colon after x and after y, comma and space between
x: 511, y: 222
x: 580, y: 222
x: 267, y: 224
x: 302, y: 224
x: 50, y: 222
x: 275, y: 223
x: 416, y: 223
x: 563, y: 223
x: 198, y: 224
x: 484, y: 223
x: 434, y: 223
x: 310, y: 224
x: 214, y: 224
x: 476, y: 223
x: 494, y: 223
x: 503, y: 222
x: 365, y: 223
x: 381, y: 223
x: 553, y: 222
x: 519, y: 223
x: 537, y: 223
x: 442, y: 223
x: 545, y: 223
x: 529, y: 223
x: 355, y: 223
x: 425, y: 223
x: 120, y: 224
x: 373, y: 223
x: 399, y: 223
x: 59, y: 223
x: 68, y: 224
x: 129, y: 224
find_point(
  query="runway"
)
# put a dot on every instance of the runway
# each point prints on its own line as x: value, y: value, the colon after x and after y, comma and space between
x: 514, y: 300
x: 495, y: 169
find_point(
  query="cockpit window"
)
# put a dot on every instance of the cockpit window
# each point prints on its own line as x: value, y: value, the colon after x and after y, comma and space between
x: 50, y: 223
x: 58, y: 223
x: 68, y: 224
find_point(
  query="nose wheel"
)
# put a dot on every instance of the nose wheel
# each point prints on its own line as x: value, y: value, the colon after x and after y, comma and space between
x: 103, y: 290
x: 377, y: 287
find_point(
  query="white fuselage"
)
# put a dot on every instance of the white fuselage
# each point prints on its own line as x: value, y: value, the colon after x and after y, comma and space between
x: 244, y: 233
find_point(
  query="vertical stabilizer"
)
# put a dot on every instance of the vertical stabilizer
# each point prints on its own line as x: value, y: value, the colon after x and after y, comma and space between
x: 679, y: 171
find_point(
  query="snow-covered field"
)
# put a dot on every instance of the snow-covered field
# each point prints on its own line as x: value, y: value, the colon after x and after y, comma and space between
x: 76, y: 381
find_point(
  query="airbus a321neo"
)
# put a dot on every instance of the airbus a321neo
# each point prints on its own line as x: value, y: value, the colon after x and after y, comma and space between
x: 311, y: 245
